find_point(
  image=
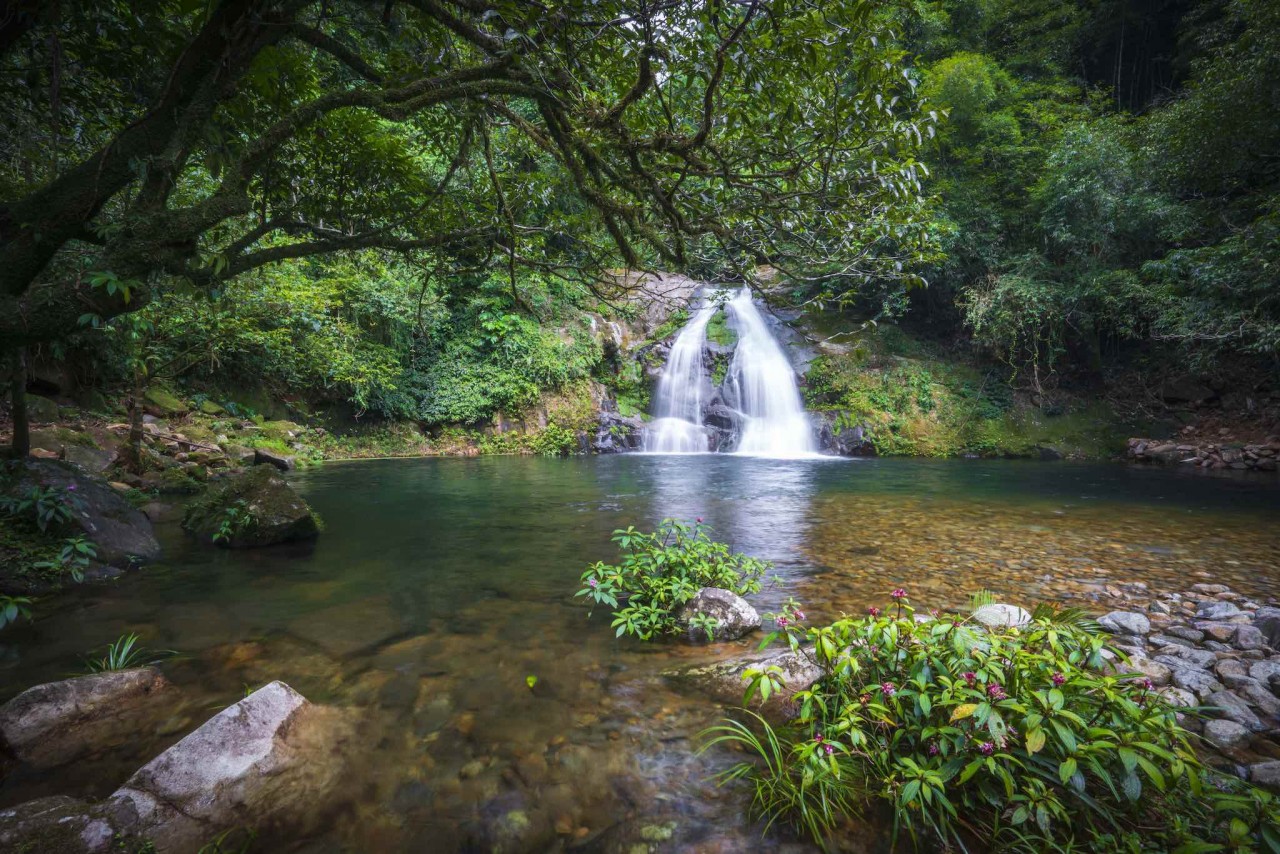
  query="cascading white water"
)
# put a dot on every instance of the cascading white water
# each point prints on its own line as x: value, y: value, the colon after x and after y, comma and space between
x: 763, y: 383
x: 678, y: 403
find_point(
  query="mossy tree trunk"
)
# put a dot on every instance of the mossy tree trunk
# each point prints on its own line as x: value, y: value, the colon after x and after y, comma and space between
x: 133, y: 449
x: 21, y: 445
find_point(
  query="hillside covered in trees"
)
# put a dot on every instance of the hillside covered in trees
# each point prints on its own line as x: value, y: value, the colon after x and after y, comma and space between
x: 411, y: 216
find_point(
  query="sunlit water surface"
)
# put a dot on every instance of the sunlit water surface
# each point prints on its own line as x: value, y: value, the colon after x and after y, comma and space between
x: 440, y: 585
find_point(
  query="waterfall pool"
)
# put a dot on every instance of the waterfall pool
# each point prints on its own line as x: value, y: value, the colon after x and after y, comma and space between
x: 441, y: 585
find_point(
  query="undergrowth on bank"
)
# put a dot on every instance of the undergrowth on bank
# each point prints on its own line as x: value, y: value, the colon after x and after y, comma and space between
x: 662, y: 571
x: 1009, y: 739
x: 911, y: 401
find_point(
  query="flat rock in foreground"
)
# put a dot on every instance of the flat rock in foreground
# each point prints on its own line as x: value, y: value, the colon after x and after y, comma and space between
x: 52, y: 724
x: 272, y: 762
x: 265, y: 762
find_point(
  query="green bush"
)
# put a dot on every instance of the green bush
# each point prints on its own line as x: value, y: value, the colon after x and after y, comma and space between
x: 662, y: 571
x: 990, y: 739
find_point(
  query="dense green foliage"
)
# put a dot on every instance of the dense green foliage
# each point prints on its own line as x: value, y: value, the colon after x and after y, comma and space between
x: 1013, y: 739
x: 660, y: 572
x: 411, y: 210
x: 1104, y: 197
x: 468, y: 176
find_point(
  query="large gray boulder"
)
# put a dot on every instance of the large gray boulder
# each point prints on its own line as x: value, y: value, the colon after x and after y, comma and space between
x: 270, y: 762
x: 1267, y: 619
x: 52, y: 724
x: 121, y: 532
x: 1217, y: 610
x: 262, y: 507
x: 1227, y: 705
x: 1001, y: 616
x: 1125, y: 623
x: 733, y: 615
x: 726, y: 681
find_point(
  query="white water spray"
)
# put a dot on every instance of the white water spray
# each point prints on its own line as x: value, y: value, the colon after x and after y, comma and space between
x: 763, y: 382
x: 679, y: 400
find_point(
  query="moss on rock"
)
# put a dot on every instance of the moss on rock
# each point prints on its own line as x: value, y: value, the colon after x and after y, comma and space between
x: 165, y: 401
x: 257, y: 508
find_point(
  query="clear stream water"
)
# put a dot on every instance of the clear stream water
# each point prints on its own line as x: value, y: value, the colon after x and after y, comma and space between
x: 441, y: 584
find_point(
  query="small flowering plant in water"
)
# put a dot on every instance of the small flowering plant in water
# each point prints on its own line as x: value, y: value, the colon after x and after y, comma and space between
x: 660, y: 572
x: 1010, y: 739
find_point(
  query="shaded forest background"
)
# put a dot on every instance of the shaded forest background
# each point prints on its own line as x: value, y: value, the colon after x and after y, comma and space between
x: 1101, y: 213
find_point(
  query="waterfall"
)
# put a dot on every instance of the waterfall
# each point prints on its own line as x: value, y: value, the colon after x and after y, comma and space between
x: 763, y: 383
x: 679, y: 400
x: 760, y: 392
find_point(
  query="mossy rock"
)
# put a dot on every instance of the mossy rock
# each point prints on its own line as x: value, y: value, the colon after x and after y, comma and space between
x: 120, y: 532
x: 60, y: 438
x: 257, y: 508
x: 165, y: 401
x: 208, y: 407
x: 172, y: 481
x: 281, y: 431
x: 41, y: 409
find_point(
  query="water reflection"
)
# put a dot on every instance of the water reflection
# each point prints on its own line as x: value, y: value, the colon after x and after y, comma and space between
x: 440, y: 585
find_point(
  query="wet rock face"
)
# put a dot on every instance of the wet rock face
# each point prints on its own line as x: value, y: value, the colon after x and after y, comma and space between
x: 267, y: 762
x: 52, y: 724
x: 616, y: 433
x: 263, y: 509
x: 734, y: 616
x: 847, y: 442
x: 122, y: 533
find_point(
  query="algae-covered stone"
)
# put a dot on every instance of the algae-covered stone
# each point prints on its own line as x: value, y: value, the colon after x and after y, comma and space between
x: 57, y: 825
x: 165, y: 401
x: 257, y: 508
x: 41, y: 409
x: 208, y: 407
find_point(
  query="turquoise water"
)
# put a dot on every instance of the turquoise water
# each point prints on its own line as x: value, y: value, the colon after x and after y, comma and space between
x: 440, y: 585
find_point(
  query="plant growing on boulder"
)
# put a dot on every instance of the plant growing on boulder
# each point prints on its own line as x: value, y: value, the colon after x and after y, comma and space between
x: 662, y: 571
x: 235, y: 518
x: 45, y: 506
x: 74, y: 556
x: 989, y: 739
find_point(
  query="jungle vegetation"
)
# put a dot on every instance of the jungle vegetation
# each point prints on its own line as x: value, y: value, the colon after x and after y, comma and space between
x: 411, y: 206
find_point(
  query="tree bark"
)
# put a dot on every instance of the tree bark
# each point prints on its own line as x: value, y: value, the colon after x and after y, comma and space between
x: 21, y: 445
x: 133, y: 450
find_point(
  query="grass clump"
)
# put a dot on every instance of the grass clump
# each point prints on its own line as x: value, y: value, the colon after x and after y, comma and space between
x: 124, y: 653
x: 1001, y: 739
